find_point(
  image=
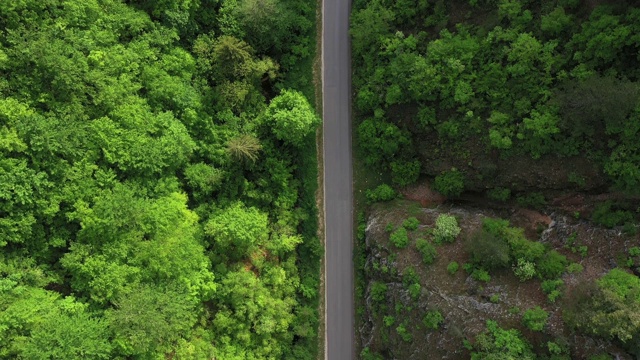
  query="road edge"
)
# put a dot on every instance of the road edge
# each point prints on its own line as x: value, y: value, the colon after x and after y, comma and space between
x: 319, y: 102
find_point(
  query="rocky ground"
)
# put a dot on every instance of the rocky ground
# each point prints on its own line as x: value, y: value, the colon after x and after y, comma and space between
x: 465, y: 303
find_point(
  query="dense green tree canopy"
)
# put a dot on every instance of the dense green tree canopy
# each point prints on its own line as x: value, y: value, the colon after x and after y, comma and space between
x: 135, y: 219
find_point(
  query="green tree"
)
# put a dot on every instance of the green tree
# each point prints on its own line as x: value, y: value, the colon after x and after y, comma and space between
x: 237, y: 229
x: 609, y: 309
x: 291, y: 117
x: 148, y: 321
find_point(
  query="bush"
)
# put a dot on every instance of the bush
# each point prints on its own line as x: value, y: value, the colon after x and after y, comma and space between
x: 450, y: 183
x: 447, y: 229
x: 427, y: 251
x: 378, y: 291
x: 498, y: 343
x: 551, y: 265
x: 521, y: 248
x: 488, y: 250
x: 388, y: 321
x: 552, y: 288
x: 481, y: 275
x: 410, y: 277
x: 533, y: 200
x: 411, y: 223
x: 405, y: 173
x: 383, y: 192
x: 574, y: 268
x: 367, y: 354
x: 399, y: 238
x: 452, y: 268
x: 606, y: 215
x: 600, y: 357
x: 524, y: 270
x: 433, y: 319
x: 535, y: 319
x: 414, y: 291
x: 404, y: 333
x: 499, y: 194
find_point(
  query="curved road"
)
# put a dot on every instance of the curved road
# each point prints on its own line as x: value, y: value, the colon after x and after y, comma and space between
x: 338, y: 180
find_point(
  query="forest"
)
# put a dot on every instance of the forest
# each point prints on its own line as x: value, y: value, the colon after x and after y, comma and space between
x: 157, y: 180
x: 513, y: 109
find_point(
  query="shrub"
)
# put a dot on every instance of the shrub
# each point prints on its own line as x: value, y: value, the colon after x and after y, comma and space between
x: 488, y: 250
x: 495, y: 298
x: 555, y: 348
x: 495, y: 226
x: 535, y: 319
x: 367, y: 354
x: 551, y: 265
x: 574, y: 268
x: 410, y: 277
x: 450, y: 183
x: 629, y: 228
x: 606, y: 215
x: 524, y: 270
x: 383, y: 192
x: 600, y: 357
x: 446, y: 229
x: 411, y: 223
x: 481, y: 275
x: 498, y: 343
x: 534, y: 200
x: 404, y: 334
x: 521, y: 248
x: 452, y: 268
x: 427, y: 251
x: 433, y: 319
x: 583, y: 250
x: 388, y: 321
x: 499, y: 194
x: 378, y: 291
x: 399, y: 238
x: 634, y: 251
x: 414, y: 291
x: 552, y: 288
x: 404, y: 173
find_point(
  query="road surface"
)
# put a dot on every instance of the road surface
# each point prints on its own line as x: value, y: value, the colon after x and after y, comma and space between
x: 338, y: 183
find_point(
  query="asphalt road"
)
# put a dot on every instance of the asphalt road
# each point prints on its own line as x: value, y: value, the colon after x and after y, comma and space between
x: 338, y: 181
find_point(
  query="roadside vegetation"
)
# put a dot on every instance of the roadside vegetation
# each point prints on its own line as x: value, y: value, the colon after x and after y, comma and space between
x: 157, y: 180
x: 503, y: 107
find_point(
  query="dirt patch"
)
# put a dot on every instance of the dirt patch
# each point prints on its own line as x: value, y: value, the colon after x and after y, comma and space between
x: 423, y: 193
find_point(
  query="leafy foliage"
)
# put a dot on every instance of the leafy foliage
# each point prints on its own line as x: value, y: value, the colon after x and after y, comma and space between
x: 380, y: 193
x: 433, y: 319
x: 399, y: 238
x: 446, y: 229
x: 450, y: 183
x: 535, y: 318
x: 609, y: 308
x: 145, y: 146
x: 427, y: 250
x: 496, y: 342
